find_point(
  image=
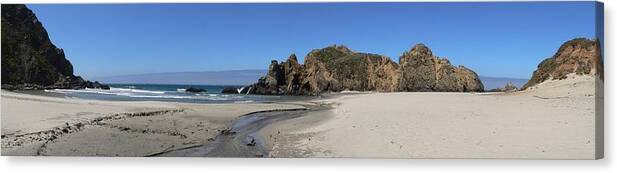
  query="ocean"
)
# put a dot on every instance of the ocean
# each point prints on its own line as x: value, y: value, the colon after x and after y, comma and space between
x: 165, y: 92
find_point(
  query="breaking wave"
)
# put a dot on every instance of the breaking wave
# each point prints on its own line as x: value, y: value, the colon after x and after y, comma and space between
x: 140, y: 93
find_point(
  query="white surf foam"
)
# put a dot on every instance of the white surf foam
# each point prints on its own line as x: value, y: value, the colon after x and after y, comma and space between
x: 137, y: 93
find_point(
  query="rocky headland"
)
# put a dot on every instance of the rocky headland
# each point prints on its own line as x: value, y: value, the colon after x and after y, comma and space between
x: 338, y: 68
x: 578, y: 56
x: 29, y: 59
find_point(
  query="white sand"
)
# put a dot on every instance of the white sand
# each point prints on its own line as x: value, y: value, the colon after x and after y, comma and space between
x: 555, y: 120
x: 27, y: 122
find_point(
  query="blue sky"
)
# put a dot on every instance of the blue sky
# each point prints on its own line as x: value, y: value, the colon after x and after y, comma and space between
x: 493, y: 39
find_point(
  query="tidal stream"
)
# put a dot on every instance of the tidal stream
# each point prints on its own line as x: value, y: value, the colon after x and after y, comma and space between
x: 242, y: 140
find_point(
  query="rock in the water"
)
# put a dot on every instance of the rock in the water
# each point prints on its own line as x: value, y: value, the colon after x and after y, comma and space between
x: 98, y: 85
x: 89, y: 84
x: 338, y: 68
x: 579, y: 56
x: 196, y: 90
x: 231, y: 90
x: 29, y: 59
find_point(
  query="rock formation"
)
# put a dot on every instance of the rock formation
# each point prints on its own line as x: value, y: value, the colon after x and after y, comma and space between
x: 195, y: 90
x: 291, y: 78
x: 356, y: 71
x: 336, y: 68
x: 230, y: 90
x: 579, y: 56
x: 509, y: 87
x: 29, y: 59
x: 421, y: 71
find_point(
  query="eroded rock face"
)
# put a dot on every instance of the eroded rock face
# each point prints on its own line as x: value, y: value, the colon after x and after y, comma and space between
x: 338, y: 68
x: 356, y: 71
x: 29, y: 59
x: 418, y: 69
x: 422, y: 71
x: 292, y: 78
x: 316, y: 78
x: 579, y: 56
x: 382, y: 74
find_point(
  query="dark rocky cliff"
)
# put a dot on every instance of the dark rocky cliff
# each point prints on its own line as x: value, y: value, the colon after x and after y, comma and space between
x: 579, y: 56
x: 29, y: 59
x: 338, y: 68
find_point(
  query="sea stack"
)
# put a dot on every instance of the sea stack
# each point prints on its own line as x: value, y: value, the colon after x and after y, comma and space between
x: 337, y: 68
x: 29, y: 59
x: 578, y: 56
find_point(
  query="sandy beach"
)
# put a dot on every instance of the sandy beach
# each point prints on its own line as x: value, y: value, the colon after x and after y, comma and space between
x: 40, y: 125
x: 553, y: 120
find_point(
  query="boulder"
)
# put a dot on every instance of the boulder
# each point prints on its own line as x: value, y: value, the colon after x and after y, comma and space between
x: 101, y: 86
x: 230, y: 90
x: 195, y: 90
x: 96, y: 85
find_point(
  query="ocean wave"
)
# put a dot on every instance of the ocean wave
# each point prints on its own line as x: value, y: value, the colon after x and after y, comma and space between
x: 136, y: 90
x: 244, y: 101
x: 137, y: 93
x: 100, y: 91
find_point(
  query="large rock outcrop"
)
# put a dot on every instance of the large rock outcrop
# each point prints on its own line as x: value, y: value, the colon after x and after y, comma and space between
x: 338, y: 68
x: 357, y: 71
x: 422, y: 71
x: 29, y: 59
x: 292, y: 78
x: 579, y: 56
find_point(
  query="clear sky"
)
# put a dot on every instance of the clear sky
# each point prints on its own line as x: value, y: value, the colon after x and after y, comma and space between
x: 493, y: 39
